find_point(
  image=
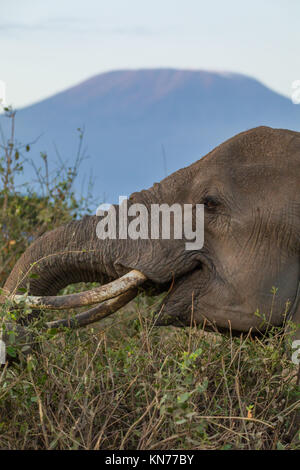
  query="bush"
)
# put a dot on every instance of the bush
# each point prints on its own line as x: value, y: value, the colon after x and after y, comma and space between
x: 28, y: 211
x: 132, y: 386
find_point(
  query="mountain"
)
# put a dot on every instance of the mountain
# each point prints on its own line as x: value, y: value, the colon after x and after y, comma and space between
x: 143, y: 124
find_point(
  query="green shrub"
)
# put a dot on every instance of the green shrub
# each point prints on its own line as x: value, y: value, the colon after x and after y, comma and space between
x: 130, y: 385
x: 26, y: 212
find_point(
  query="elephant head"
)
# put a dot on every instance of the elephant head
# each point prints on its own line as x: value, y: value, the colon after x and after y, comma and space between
x: 247, y: 269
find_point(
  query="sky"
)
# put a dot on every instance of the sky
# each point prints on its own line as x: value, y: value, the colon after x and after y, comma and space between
x: 47, y: 46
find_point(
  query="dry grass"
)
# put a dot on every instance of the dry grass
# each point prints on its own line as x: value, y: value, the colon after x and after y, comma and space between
x: 131, y: 385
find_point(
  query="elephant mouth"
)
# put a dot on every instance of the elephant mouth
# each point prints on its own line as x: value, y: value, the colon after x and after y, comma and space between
x: 183, y: 293
x: 174, y: 311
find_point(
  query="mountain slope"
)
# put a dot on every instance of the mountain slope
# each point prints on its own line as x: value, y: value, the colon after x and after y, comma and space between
x: 141, y: 124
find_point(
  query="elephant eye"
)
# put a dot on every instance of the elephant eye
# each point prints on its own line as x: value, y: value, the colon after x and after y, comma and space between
x: 210, y: 203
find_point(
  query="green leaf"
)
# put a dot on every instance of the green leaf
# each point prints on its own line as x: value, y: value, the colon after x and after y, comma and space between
x: 181, y: 421
x: 34, y: 276
x: 11, y: 351
x: 183, y: 397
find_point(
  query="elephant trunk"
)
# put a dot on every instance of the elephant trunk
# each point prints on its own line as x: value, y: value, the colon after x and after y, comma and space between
x: 73, y: 252
x: 70, y: 254
x: 66, y: 255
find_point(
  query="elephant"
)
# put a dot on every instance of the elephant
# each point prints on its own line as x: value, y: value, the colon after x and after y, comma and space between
x: 246, y: 276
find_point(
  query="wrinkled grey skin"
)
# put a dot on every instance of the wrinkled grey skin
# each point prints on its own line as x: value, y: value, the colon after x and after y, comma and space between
x: 250, y: 188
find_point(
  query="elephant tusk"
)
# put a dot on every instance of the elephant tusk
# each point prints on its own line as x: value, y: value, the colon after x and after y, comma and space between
x: 94, y: 314
x: 94, y: 296
x: 25, y: 337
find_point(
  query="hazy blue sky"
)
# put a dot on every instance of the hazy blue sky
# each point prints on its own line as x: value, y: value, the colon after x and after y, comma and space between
x: 46, y: 46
